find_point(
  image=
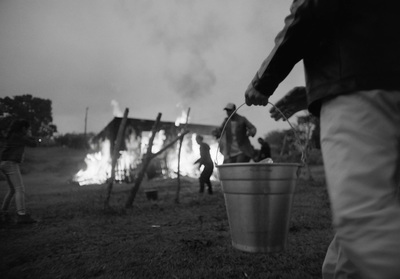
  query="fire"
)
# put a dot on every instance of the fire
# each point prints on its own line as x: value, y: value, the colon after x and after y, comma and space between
x: 188, y: 156
x: 158, y: 141
x: 181, y: 119
x: 98, y: 164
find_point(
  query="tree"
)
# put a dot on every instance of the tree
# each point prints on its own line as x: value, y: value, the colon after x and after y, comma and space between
x: 310, y: 125
x: 297, y: 143
x: 307, y: 131
x: 283, y: 143
x: 36, y: 110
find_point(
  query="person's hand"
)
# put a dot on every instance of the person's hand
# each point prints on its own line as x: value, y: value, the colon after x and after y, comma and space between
x: 294, y: 101
x: 254, y: 97
x: 250, y: 133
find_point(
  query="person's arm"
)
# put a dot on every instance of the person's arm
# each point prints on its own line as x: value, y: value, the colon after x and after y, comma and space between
x: 30, y: 141
x: 292, y: 44
x: 21, y: 139
x: 251, y: 129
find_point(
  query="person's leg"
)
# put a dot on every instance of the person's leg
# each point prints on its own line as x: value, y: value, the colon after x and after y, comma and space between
x: 201, y: 181
x: 208, y: 170
x: 331, y: 260
x: 210, y: 190
x: 8, y: 197
x: 14, y: 179
x: 336, y: 264
x: 360, y: 137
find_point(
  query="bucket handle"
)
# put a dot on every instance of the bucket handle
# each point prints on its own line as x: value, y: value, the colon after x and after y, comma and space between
x: 303, y: 151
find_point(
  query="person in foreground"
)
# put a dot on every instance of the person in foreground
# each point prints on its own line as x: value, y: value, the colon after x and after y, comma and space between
x: 235, y: 144
x: 350, y: 51
x: 18, y: 136
x: 205, y: 160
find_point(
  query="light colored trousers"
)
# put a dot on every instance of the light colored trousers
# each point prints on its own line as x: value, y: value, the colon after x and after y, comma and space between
x: 360, y: 140
x: 16, y: 186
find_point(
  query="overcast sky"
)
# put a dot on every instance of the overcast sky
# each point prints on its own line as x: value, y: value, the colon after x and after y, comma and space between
x: 149, y: 56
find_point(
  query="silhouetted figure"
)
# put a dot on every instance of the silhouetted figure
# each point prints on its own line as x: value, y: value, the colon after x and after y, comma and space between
x: 350, y: 51
x: 18, y: 136
x: 205, y: 160
x: 265, y: 150
x: 235, y: 144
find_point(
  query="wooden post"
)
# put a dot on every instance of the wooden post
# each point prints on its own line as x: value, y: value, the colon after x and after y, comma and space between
x: 85, y: 131
x: 115, y: 157
x: 86, y: 115
x: 146, y: 162
x: 178, y: 188
x: 138, y: 181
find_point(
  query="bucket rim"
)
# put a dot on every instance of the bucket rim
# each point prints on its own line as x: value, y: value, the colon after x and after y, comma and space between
x: 258, y: 164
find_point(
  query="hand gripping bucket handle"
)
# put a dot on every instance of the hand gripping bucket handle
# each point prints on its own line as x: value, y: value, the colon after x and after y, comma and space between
x: 258, y: 200
x: 303, y: 151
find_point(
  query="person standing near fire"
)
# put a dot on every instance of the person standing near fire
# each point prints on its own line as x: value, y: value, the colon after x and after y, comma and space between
x: 351, y: 57
x: 235, y: 144
x: 204, y: 160
x: 18, y: 136
x: 265, y: 150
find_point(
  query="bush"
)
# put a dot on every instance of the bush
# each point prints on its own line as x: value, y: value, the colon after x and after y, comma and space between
x: 315, y: 157
x: 294, y: 157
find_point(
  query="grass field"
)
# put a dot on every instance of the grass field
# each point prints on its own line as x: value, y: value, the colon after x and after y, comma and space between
x: 76, y: 238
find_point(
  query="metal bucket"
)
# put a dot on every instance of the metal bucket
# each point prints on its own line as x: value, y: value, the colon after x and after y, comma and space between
x: 258, y: 199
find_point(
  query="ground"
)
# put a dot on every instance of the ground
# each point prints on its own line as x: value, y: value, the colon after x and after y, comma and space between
x: 77, y: 238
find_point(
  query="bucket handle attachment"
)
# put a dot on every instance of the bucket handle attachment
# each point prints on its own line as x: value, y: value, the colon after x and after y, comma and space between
x: 303, y: 151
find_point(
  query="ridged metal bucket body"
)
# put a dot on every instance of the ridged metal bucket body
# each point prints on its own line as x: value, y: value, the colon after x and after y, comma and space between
x: 258, y: 199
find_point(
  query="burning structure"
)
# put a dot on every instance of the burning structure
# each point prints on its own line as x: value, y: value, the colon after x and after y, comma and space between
x: 134, y: 145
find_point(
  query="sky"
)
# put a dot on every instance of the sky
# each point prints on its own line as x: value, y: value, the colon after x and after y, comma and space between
x: 149, y: 56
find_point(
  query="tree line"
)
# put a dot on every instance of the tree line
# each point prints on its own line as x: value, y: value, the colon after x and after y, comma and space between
x: 287, y: 147
x: 39, y: 113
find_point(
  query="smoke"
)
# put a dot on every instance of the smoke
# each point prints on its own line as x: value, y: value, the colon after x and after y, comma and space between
x: 186, y: 39
x: 192, y: 78
x: 117, y: 112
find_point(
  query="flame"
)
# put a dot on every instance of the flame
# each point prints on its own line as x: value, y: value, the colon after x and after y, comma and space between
x: 98, y: 164
x: 190, y: 152
x: 182, y: 119
x: 158, y: 141
x: 188, y: 156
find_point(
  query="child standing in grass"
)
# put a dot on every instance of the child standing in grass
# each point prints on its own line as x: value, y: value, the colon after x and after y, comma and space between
x: 18, y: 136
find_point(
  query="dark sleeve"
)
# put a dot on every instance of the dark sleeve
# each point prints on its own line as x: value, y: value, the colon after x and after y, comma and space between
x: 30, y: 141
x: 23, y: 140
x: 218, y: 131
x: 292, y: 44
